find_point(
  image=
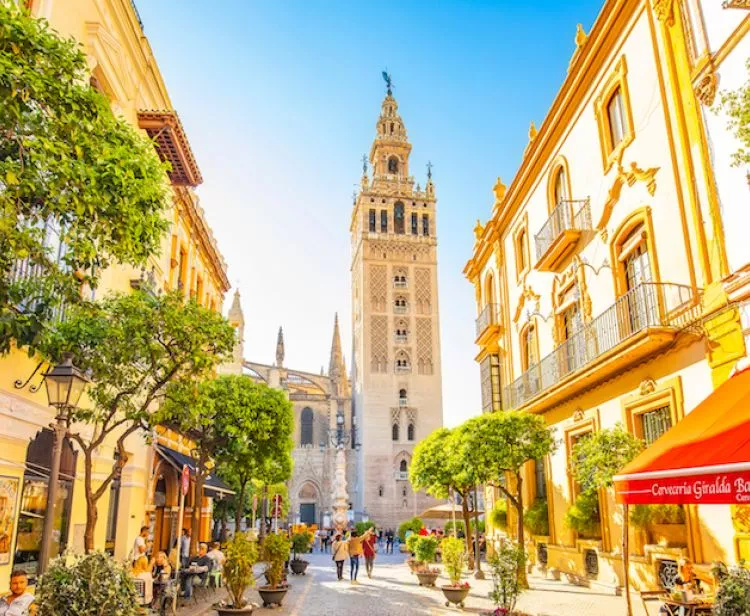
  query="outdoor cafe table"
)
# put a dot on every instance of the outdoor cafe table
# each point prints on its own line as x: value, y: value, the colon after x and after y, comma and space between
x: 695, y: 607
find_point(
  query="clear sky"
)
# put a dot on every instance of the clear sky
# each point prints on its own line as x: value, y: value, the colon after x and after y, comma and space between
x: 279, y: 100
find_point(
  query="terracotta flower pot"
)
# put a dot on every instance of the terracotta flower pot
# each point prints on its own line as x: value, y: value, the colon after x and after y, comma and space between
x: 231, y: 611
x: 427, y: 578
x: 298, y: 566
x: 455, y: 594
x: 272, y: 596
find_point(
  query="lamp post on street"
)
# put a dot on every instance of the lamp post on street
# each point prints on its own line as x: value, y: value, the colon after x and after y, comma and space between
x: 65, y: 384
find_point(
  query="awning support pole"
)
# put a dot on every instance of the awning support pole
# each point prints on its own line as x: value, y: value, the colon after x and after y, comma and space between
x: 626, y: 555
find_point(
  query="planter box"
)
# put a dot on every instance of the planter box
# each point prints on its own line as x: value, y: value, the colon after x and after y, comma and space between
x: 455, y: 595
x: 273, y: 596
x: 230, y: 611
x: 669, y: 535
x: 426, y: 578
x: 298, y: 566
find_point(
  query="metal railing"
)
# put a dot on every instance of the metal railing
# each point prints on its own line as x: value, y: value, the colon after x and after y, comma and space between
x: 569, y: 214
x: 400, y: 284
x: 402, y: 369
x: 402, y: 475
x: 649, y: 304
x: 401, y: 309
x: 490, y: 315
x: 401, y: 338
x: 24, y: 272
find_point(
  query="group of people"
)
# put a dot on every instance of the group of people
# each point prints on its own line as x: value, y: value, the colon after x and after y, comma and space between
x: 353, y: 546
x: 385, y: 539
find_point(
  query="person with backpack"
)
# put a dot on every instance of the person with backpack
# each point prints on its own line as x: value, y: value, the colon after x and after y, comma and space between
x: 340, y: 551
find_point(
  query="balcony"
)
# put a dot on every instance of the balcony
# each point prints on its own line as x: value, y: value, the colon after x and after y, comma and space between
x: 400, y: 284
x: 403, y: 369
x: 488, y: 324
x: 400, y: 338
x: 402, y: 475
x: 645, y: 320
x: 560, y: 234
x: 400, y: 309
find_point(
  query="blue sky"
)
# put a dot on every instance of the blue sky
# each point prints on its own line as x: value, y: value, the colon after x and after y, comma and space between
x: 279, y: 100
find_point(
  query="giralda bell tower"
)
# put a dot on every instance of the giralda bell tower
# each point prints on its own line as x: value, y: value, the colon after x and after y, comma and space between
x: 396, y: 376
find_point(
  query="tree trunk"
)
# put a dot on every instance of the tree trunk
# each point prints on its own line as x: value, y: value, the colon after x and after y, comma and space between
x: 91, y: 512
x: 467, y: 530
x: 522, y: 579
x: 263, y: 508
x: 239, y: 507
x: 197, y: 505
x: 626, y: 556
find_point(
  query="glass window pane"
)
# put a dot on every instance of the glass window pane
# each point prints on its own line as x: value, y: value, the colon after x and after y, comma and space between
x: 616, y: 118
x: 655, y: 423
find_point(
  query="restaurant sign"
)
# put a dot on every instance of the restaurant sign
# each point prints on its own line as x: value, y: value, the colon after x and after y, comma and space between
x: 713, y: 488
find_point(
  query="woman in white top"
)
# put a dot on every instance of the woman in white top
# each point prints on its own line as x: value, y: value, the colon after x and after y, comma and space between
x: 340, y: 550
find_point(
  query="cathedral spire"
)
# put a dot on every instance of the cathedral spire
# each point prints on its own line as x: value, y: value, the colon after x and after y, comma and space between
x: 235, y: 315
x: 336, y: 368
x: 389, y: 154
x: 280, y: 348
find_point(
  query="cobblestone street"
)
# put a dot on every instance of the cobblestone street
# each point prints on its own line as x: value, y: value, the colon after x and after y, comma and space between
x: 393, y: 591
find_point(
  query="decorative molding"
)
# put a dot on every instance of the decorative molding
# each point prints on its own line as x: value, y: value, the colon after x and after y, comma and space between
x: 706, y: 85
x: 664, y: 11
x: 735, y: 4
x: 478, y: 230
x: 629, y: 177
x: 647, y: 386
x: 579, y: 415
x: 527, y: 295
x: 499, y: 189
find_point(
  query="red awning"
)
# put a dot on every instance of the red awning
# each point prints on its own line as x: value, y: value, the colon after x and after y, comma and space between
x: 704, y: 459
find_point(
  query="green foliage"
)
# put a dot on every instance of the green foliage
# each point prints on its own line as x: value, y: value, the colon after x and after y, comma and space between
x: 275, y: 553
x: 536, y: 518
x: 67, y: 162
x: 448, y: 528
x: 425, y: 549
x: 415, y: 524
x: 242, y: 554
x: 499, y: 514
x: 598, y: 457
x: 91, y: 584
x: 432, y: 468
x: 453, y: 552
x: 301, y: 543
x: 134, y: 346
x: 643, y: 515
x: 505, y: 563
x: 361, y: 527
x: 411, y: 543
x: 733, y: 595
x: 736, y: 104
x: 583, y: 515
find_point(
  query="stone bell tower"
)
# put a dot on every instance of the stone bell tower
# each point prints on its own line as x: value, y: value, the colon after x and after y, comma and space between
x: 396, y: 373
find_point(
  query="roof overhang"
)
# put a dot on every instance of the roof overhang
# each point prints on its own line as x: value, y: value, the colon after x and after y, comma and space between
x: 171, y: 143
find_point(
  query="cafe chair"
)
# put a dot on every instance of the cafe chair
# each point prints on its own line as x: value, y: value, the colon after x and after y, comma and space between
x: 656, y: 596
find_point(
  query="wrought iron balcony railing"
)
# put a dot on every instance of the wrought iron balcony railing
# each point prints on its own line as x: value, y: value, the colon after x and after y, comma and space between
x: 490, y: 315
x: 400, y: 338
x: 400, y: 284
x: 647, y: 305
x: 402, y: 475
x: 568, y: 215
x: 400, y: 309
x: 402, y: 369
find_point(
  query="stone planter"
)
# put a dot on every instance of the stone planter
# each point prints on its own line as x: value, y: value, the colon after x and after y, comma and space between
x: 413, y: 564
x: 669, y: 535
x: 272, y: 596
x: 454, y: 594
x: 230, y: 611
x: 427, y: 578
x: 298, y: 566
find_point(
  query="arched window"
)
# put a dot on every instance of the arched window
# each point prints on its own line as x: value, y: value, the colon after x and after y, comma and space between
x: 489, y: 290
x: 392, y: 161
x: 399, y: 305
x: 528, y: 347
x: 402, y: 362
x: 425, y: 224
x: 616, y: 117
x: 559, y: 187
x: 380, y: 491
x: 384, y: 221
x: 414, y: 224
x: 403, y: 466
x: 410, y: 432
x: 394, y: 432
x: 398, y: 217
x: 402, y: 398
x: 306, y: 427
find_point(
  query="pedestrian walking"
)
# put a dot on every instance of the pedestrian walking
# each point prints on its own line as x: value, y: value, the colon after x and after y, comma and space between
x: 389, y: 541
x: 340, y: 551
x: 355, y: 551
x: 369, y: 547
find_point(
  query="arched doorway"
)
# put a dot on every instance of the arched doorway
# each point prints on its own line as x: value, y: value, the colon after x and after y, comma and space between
x: 307, y: 498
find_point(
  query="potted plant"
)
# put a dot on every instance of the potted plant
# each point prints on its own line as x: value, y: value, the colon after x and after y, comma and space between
x: 424, y: 552
x: 583, y: 515
x: 242, y: 554
x: 414, y: 525
x: 276, y: 549
x: 734, y: 592
x: 667, y: 525
x: 505, y: 563
x: 94, y: 583
x: 411, y: 546
x: 499, y: 515
x: 301, y: 543
x: 453, y: 560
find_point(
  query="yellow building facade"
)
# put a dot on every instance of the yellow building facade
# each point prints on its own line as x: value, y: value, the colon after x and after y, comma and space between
x: 604, y: 285
x: 124, y: 69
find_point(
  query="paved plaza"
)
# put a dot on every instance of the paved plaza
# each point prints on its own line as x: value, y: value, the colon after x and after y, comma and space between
x: 393, y: 590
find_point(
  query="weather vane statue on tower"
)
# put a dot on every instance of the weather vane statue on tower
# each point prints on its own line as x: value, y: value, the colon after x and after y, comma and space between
x: 388, y: 82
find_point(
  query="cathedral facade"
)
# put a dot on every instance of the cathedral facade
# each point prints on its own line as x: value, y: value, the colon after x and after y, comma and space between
x: 396, y: 368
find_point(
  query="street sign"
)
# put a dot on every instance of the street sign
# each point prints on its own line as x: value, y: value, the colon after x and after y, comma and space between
x: 277, y: 500
x: 185, y: 479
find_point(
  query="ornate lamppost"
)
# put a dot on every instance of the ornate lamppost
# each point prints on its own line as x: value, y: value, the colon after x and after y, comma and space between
x: 65, y: 384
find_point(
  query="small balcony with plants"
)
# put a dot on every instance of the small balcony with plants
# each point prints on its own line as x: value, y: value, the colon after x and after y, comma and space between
x: 640, y: 323
x: 559, y: 236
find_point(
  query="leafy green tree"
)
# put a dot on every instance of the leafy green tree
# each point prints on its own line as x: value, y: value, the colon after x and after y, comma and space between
x: 133, y: 346
x: 500, y: 444
x: 595, y: 461
x: 225, y: 416
x: 67, y: 164
x: 736, y: 104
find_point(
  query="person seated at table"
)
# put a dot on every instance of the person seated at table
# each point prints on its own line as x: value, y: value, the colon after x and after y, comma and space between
x: 161, y: 570
x: 198, y: 567
x: 19, y: 601
x: 142, y: 571
x: 685, y: 580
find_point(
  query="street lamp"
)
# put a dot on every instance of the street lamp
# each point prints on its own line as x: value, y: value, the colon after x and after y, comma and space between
x: 65, y: 384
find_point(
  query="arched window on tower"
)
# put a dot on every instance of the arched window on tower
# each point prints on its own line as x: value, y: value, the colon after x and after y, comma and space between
x: 410, y: 432
x: 372, y: 221
x: 402, y: 466
x: 394, y: 432
x: 414, y: 223
x: 384, y: 221
x: 425, y: 224
x: 398, y: 217
x: 306, y: 427
x: 402, y: 398
x: 393, y: 161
